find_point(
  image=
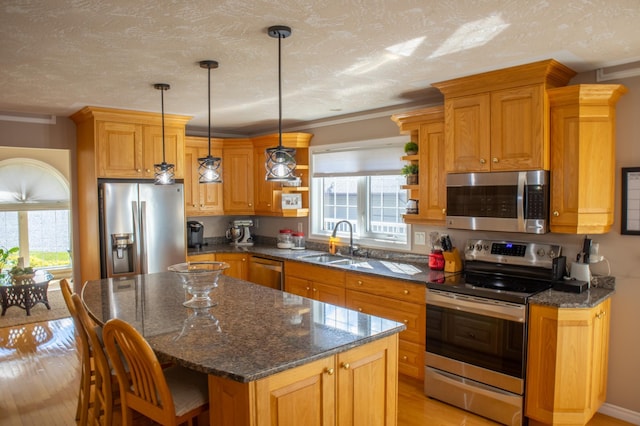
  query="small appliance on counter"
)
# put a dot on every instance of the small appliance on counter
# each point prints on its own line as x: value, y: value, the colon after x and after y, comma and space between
x: 195, y: 234
x: 239, y: 233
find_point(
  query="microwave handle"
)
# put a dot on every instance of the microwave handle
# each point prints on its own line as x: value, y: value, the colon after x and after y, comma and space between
x: 522, y: 182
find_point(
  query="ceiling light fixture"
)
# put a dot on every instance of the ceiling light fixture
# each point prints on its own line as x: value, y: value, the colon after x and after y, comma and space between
x: 280, y: 161
x: 209, y: 166
x: 164, y: 173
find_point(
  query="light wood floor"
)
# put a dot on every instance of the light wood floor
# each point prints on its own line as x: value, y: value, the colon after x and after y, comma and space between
x: 39, y: 374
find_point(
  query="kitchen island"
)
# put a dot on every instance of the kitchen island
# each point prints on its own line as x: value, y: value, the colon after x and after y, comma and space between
x: 272, y: 357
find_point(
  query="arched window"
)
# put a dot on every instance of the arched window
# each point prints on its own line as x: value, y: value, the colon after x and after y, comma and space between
x: 35, y: 212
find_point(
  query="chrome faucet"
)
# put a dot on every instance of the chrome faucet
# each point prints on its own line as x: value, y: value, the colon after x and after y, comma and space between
x: 332, y: 247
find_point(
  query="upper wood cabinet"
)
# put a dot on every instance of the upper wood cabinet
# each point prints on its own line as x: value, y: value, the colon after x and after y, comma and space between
x: 129, y: 143
x: 426, y: 128
x: 237, y: 186
x: 114, y: 143
x: 583, y: 171
x: 268, y: 195
x: 201, y: 199
x: 498, y: 121
x: 567, y: 363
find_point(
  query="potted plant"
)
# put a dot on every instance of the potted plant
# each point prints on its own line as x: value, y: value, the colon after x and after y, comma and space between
x: 4, y: 257
x: 411, y: 148
x: 20, y: 275
x: 410, y: 171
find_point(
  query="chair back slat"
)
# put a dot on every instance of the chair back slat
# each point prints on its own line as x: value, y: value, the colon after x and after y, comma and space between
x: 145, y: 388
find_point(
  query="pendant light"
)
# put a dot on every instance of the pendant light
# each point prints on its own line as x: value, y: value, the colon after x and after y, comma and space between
x: 164, y: 173
x: 280, y: 161
x: 209, y: 166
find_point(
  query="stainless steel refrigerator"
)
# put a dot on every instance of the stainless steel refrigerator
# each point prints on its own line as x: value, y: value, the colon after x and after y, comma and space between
x: 142, y: 227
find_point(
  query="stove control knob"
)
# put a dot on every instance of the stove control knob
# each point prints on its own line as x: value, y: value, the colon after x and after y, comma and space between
x: 540, y: 252
x: 552, y: 254
x: 479, y: 247
x: 471, y: 247
x: 486, y: 247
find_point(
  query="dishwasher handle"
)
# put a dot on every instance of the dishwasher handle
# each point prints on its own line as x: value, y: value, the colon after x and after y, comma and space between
x: 274, y: 265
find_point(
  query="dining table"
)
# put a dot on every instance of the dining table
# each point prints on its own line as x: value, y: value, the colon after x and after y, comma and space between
x: 252, y: 333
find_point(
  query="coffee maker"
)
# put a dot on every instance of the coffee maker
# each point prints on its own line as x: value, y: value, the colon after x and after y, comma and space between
x: 195, y: 234
x: 239, y: 233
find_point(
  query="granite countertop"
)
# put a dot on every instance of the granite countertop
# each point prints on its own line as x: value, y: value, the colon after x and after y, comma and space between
x: 393, y: 268
x: 253, y: 332
x: 601, y: 287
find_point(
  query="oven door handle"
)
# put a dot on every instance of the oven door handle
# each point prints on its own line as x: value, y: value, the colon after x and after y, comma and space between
x: 477, y: 305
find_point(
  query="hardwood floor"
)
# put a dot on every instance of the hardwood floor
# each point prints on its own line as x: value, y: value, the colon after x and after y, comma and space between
x: 39, y: 379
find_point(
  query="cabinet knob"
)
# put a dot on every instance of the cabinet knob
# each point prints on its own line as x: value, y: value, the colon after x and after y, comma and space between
x: 404, y: 358
x: 359, y: 309
x: 308, y: 288
x: 148, y: 170
x: 250, y: 205
x: 556, y: 213
x: 483, y: 161
x: 495, y: 159
x: 138, y: 170
x: 444, y: 211
x: 244, y: 259
x: 268, y: 205
x: 406, y: 321
x: 359, y: 282
x: 346, y: 365
x: 314, y: 290
x: 329, y: 371
x: 193, y: 205
x: 600, y: 314
x: 406, y: 291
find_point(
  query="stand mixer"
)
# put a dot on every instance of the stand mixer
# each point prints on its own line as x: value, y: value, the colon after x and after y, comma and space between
x: 239, y: 233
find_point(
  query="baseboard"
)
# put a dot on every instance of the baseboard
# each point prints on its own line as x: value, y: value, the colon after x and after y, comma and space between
x: 620, y: 413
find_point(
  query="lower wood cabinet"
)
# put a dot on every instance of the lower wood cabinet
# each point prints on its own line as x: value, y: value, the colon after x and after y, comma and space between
x: 325, y: 284
x: 353, y: 388
x: 238, y: 262
x: 567, y: 363
x: 397, y: 300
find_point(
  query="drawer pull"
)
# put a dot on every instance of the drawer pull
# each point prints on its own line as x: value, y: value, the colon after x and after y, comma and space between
x: 404, y: 358
x: 406, y: 321
x: 406, y: 291
x: 346, y: 365
x: 359, y: 282
x: 329, y: 371
x: 359, y: 309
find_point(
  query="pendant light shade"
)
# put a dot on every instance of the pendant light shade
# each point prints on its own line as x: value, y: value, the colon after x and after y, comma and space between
x: 164, y: 172
x: 280, y: 161
x: 209, y: 166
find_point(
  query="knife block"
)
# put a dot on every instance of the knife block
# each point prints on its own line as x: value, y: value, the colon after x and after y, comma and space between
x: 452, y: 261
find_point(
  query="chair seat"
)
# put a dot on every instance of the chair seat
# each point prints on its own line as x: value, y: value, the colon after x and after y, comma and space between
x: 189, y: 388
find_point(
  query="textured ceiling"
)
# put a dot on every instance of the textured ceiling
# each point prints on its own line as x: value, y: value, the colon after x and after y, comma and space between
x: 344, y: 56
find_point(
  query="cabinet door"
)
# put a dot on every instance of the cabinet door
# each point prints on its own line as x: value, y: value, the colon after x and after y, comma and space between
x: 602, y: 318
x: 200, y: 199
x: 120, y: 152
x: 302, y: 396
x: 328, y: 293
x: 433, y: 186
x: 173, y: 149
x: 518, y: 133
x: 263, y: 190
x: 298, y: 286
x: 238, y: 263
x: 467, y: 133
x: 367, y: 384
x: 238, y: 180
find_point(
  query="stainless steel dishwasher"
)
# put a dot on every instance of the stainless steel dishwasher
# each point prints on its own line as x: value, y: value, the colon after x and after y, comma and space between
x: 266, y: 272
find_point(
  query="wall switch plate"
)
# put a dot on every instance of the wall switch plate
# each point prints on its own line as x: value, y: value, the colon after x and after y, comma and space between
x: 419, y: 238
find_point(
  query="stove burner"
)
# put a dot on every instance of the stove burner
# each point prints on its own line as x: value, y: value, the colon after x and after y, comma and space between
x: 513, y: 284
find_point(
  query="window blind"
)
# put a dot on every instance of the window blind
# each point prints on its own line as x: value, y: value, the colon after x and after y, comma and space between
x: 363, y: 158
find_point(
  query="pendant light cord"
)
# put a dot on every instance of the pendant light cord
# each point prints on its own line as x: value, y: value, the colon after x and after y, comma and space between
x: 280, y: 37
x: 162, y: 102
x: 209, y: 107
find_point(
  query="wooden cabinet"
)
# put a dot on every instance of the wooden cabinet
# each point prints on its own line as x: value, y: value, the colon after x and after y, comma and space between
x: 397, y: 300
x: 583, y: 170
x: 268, y: 195
x: 238, y: 262
x: 114, y: 143
x: 204, y: 257
x: 325, y: 284
x: 237, y: 166
x: 353, y: 388
x: 201, y: 199
x: 567, y: 363
x: 498, y: 121
x: 426, y: 126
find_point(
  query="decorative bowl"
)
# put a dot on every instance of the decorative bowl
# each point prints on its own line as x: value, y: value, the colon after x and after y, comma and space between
x: 199, y: 278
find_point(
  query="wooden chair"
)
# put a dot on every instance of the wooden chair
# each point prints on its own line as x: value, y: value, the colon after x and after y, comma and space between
x: 170, y: 397
x: 86, y: 370
x: 102, y: 398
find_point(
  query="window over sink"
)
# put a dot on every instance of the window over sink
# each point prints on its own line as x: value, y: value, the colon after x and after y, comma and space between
x: 360, y: 182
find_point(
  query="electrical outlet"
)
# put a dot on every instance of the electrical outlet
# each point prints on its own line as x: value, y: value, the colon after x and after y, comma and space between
x: 419, y: 238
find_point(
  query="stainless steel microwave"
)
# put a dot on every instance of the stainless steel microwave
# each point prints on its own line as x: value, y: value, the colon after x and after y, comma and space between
x: 499, y: 201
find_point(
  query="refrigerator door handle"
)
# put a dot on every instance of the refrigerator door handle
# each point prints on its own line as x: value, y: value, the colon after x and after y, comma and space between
x: 144, y: 266
x: 135, y: 214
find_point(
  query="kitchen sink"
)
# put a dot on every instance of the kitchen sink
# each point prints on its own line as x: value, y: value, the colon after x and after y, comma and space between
x: 327, y: 259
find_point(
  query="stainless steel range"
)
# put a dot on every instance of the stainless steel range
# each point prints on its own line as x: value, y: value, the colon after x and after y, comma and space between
x: 476, y: 339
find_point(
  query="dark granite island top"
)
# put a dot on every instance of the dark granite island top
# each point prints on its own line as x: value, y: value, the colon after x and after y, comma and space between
x: 252, y: 333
